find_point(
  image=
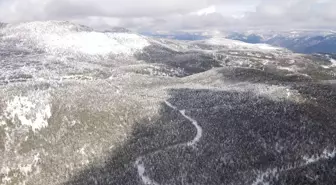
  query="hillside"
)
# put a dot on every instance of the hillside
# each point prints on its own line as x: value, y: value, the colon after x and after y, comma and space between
x: 79, y: 106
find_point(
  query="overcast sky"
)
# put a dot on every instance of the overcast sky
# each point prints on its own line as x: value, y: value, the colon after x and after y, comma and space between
x: 175, y: 15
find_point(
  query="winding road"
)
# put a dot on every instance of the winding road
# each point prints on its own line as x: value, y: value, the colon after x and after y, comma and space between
x: 139, y: 161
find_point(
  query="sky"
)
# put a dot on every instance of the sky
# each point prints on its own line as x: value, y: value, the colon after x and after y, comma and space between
x: 177, y: 15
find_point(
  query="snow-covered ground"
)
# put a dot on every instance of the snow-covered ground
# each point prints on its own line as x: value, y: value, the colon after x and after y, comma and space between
x: 62, y: 37
x: 231, y: 44
x: 75, y: 101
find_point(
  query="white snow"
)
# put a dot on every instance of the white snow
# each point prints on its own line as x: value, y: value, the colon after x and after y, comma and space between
x: 333, y: 62
x: 265, y: 46
x: 325, y: 67
x: 28, y: 111
x: 262, y: 178
x: 325, y: 155
x: 27, y: 168
x: 290, y: 68
x: 2, y: 122
x: 141, y: 172
x: 82, y: 150
x: 95, y: 43
x: 62, y: 37
x: 233, y: 44
x: 4, y: 171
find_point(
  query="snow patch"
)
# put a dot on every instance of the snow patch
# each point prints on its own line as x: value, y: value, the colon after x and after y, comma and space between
x: 325, y: 67
x: 233, y: 44
x: 141, y: 171
x: 82, y: 150
x: 63, y: 37
x: 291, y: 68
x: 262, y: 178
x: 273, y: 92
x: 2, y: 123
x: 28, y: 111
x: 265, y: 47
x: 333, y: 62
x: 4, y: 171
x: 26, y: 169
x: 325, y: 155
x: 95, y: 43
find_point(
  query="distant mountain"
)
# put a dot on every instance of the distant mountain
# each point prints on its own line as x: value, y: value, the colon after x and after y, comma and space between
x: 177, y: 35
x: 301, y: 42
x: 296, y: 41
x: 118, y: 30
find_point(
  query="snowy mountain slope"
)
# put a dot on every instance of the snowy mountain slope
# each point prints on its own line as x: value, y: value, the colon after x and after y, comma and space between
x: 64, y: 37
x: 79, y: 106
x: 231, y: 44
x: 51, y: 50
x: 62, y: 50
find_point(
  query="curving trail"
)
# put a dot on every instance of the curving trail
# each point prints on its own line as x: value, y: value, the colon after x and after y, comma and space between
x: 139, y: 161
x: 141, y: 171
x: 194, y: 122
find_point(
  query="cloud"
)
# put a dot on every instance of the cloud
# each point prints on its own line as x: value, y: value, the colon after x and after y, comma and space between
x: 21, y: 9
x: 125, y: 8
x: 293, y: 13
x: 176, y: 14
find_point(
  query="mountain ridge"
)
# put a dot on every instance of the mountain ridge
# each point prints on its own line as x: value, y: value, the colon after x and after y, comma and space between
x: 301, y: 41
